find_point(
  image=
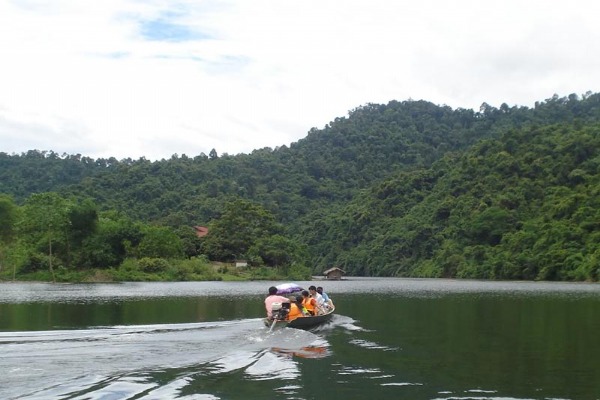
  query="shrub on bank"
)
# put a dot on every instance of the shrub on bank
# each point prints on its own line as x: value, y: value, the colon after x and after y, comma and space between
x: 153, y: 265
x: 160, y: 269
x: 193, y: 269
x: 153, y: 269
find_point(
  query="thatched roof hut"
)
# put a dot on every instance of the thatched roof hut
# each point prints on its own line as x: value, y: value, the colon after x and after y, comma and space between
x: 334, y: 273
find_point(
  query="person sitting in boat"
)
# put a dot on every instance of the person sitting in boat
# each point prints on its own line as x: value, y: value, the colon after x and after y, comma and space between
x: 327, y: 300
x: 297, y: 310
x: 320, y: 302
x: 310, y: 303
x: 273, y: 297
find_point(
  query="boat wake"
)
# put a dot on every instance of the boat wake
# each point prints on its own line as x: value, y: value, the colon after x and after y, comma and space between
x: 129, y: 361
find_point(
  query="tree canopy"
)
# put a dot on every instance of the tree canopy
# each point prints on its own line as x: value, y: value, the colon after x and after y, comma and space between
x: 403, y: 189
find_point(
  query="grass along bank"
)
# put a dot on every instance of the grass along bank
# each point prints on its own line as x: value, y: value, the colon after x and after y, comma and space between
x: 161, y: 270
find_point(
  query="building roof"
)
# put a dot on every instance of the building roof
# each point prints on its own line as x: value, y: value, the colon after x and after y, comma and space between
x: 333, y: 269
x: 201, y: 231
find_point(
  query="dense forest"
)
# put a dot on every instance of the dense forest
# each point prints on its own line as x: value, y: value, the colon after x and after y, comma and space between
x: 403, y: 189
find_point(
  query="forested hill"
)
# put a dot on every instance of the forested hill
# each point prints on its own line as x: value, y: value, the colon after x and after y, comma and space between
x: 409, y: 188
x: 524, y: 206
x: 329, y: 165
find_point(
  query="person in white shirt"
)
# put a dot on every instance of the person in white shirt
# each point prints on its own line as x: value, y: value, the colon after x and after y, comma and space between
x: 328, y: 301
x: 320, y: 301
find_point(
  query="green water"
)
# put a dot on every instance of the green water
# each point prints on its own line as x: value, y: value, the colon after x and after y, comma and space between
x: 390, y: 339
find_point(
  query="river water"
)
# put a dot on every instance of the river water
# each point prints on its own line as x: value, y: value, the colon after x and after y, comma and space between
x: 390, y: 339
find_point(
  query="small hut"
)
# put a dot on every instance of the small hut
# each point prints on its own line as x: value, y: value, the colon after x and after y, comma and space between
x: 334, y: 273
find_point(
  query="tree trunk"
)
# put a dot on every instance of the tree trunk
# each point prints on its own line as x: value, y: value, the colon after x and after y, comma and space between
x: 50, y: 254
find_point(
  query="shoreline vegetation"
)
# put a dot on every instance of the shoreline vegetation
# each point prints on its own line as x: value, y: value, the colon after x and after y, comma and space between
x: 161, y: 270
x: 404, y: 189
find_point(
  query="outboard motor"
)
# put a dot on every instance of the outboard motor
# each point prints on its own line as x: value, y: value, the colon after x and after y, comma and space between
x: 280, y: 311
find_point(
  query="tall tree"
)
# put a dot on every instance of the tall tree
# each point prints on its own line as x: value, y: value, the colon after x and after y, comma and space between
x: 241, y: 225
x: 160, y: 242
x: 46, y: 217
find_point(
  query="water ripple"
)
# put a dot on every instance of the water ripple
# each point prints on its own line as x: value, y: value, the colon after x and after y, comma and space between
x: 119, y: 362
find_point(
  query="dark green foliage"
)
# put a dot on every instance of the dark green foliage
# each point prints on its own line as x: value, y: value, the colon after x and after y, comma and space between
x: 160, y: 242
x: 489, y: 213
x: 45, y: 171
x: 404, y: 189
x: 243, y: 230
x: 83, y: 221
x: 274, y: 251
x: 36, y: 261
x: 8, y: 221
x: 116, y: 237
x: 153, y: 265
x: 190, y: 242
x: 490, y: 225
x: 8, y: 218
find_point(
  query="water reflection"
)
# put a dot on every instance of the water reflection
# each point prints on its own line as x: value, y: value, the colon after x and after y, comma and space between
x: 318, y: 349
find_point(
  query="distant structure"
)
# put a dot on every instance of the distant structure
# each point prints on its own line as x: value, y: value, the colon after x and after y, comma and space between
x: 334, y: 273
x: 241, y: 263
x: 201, y: 231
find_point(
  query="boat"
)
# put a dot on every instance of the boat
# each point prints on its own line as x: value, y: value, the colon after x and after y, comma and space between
x: 301, y: 322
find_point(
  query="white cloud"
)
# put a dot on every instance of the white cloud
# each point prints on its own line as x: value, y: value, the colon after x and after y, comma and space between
x: 129, y: 78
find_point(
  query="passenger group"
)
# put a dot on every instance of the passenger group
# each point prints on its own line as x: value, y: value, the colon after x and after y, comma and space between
x: 313, y: 301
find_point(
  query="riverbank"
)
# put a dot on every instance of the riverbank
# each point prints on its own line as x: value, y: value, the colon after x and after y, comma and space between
x: 160, y: 270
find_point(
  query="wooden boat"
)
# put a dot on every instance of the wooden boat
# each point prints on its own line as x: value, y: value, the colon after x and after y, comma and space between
x: 302, y: 322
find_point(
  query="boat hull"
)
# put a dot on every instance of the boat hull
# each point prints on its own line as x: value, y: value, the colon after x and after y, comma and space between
x: 302, y: 322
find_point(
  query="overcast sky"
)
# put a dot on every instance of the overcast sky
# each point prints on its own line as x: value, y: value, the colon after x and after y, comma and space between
x: 153, y: 78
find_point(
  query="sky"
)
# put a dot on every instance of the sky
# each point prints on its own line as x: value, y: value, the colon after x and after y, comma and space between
x: 157, y: 78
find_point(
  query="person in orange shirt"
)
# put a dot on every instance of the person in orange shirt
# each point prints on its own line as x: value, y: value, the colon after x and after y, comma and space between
x: 297, y: 310
x: 309, y: 303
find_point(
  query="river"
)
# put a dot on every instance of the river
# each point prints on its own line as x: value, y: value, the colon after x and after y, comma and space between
x: 390, y: 339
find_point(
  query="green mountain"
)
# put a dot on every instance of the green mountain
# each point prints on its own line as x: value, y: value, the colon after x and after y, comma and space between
x: 523, y: 206
x: 409, y: 189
